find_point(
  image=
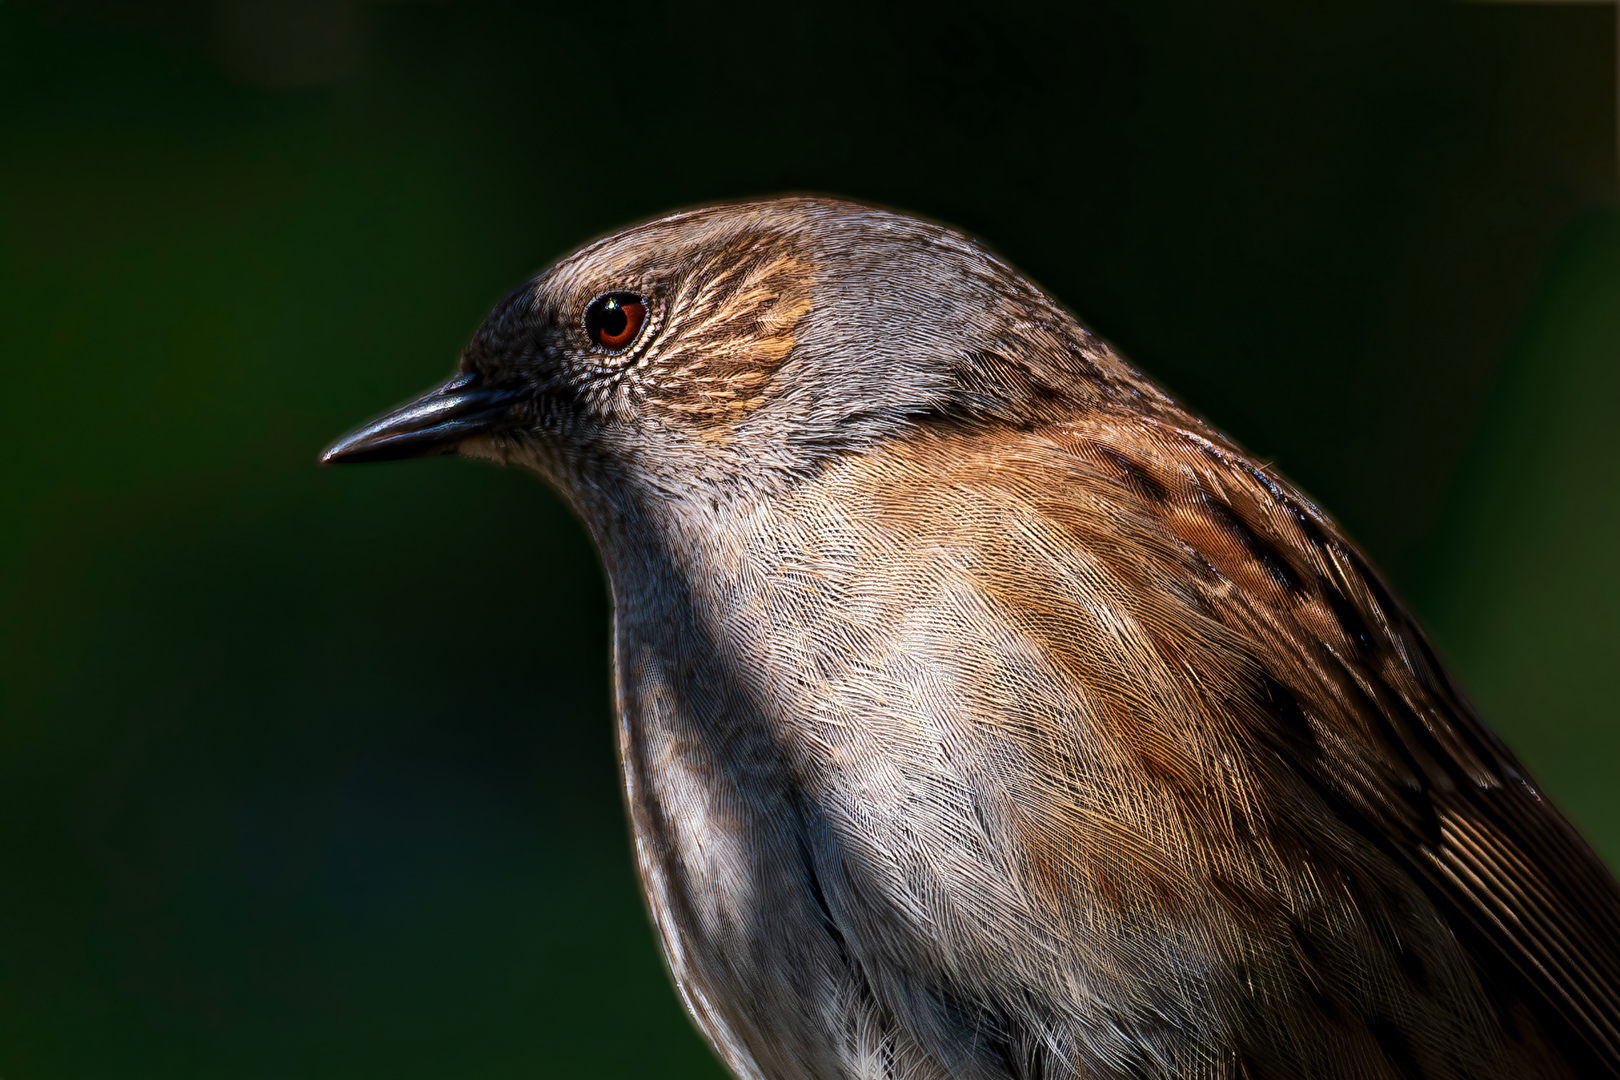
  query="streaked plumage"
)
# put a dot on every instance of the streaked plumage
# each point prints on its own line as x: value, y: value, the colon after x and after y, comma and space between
x: 984, y: 713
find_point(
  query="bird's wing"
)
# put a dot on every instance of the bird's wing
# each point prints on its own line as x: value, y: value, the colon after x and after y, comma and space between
x: 1400, y: 756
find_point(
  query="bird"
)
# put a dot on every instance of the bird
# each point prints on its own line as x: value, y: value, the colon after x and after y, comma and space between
x: 986, y: 713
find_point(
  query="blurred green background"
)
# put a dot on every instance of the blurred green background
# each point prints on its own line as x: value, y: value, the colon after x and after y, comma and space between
x: 309, y: 772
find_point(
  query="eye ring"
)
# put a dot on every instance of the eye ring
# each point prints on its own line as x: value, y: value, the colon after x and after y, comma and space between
x: 614, y: 321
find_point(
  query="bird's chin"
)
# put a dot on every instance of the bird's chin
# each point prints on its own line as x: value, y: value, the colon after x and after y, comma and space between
x: 511, y: 448
x: 508, y: 448
x: 495, y: 447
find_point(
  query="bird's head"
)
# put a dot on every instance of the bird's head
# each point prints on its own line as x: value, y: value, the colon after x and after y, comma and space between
x: 721, y: 348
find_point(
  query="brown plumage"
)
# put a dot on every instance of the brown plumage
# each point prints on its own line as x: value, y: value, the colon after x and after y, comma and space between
x: 985, y: 713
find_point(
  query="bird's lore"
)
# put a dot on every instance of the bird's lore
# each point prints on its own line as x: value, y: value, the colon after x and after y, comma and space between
x: 986, y: 714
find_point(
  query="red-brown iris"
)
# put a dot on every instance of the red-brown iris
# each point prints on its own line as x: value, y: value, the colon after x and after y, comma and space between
x: 614, y: 320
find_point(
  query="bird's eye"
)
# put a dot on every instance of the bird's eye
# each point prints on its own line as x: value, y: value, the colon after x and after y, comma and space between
x: 614, y: 320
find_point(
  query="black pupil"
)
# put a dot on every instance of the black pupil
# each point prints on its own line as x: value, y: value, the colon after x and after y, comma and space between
x: 613, y: 318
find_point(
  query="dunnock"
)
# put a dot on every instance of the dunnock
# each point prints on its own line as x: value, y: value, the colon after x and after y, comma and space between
x: 985, y: 713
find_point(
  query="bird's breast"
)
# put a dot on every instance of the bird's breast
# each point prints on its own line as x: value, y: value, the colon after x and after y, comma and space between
x: 954, y: 740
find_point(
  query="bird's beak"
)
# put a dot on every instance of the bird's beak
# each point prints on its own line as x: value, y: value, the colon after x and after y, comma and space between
x: 434, y: 423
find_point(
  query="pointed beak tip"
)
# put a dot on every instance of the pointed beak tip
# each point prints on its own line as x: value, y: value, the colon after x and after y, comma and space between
x: 349, y: 450
x: 435, y: 423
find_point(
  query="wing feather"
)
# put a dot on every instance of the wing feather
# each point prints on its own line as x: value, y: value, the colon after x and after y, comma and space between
x: 1396, y: 744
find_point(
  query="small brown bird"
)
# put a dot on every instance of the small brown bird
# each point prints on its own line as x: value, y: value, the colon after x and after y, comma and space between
x: 984, y: 713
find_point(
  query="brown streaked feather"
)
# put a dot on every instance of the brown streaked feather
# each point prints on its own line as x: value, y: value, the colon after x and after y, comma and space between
x: 745, y: 301
x: 1340, y: 688
x: 1415, y: 762
x: 1148, y: 808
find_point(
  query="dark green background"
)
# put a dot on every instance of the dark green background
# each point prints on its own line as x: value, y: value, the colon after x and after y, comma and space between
x: 308, y: 773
